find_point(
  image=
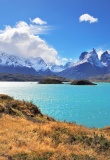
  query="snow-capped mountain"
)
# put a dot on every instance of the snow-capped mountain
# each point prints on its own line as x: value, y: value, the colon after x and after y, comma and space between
x: 36, y: 63
x: 105, y: 58
x: 90, y: 57
x: 88, y: 65
x: 58, y: 68
x: 9, y: 60
x: 55, y: 68
x: 69, y: 64
x: 11, y: 63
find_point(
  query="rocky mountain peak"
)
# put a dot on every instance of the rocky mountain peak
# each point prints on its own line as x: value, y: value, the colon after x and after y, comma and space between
x: 105, y: 58
x: 90, y: 57
x: 83, y: 55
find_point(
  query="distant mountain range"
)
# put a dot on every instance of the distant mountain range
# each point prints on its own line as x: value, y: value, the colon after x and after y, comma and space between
x: 30, y: 66
x: 89, y: 65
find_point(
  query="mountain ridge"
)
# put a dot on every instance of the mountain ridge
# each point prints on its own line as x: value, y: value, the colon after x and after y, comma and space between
x: 89, y: 65
x: 14, y: 64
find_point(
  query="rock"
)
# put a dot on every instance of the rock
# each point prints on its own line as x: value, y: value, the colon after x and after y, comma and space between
x: 82, y: 82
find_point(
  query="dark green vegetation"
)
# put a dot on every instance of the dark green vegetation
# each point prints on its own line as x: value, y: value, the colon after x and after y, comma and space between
x: 82, y: 82
x: 50, y: 81
x: 27, y: 134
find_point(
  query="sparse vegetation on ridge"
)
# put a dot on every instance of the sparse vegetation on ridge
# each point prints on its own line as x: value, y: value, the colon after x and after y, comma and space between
x: 27, y: 134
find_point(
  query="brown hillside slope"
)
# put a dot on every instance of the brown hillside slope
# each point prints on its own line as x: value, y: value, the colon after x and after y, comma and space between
x: 26, y: 134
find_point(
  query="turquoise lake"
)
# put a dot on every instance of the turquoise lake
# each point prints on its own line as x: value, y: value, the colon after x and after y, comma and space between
x: 85, y: 105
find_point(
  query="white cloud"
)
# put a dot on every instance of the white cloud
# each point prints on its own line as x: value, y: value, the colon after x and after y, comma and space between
x: 23, y: 40
x: 87, y: 17
x: 64, y: 59
x: 38, y: 21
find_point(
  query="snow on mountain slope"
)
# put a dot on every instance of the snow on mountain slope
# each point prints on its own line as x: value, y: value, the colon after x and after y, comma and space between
x: 56, y: 68
x: 11, y: 60
x: 59, y: 68
x: 36, y: 63
x: 69, y: 64
x: 90, y: 57
x: 88, y: 62
x: 88, y: 65
x: 105, y: 58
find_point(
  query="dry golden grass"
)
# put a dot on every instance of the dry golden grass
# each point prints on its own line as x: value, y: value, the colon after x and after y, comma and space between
x: 23, y: 139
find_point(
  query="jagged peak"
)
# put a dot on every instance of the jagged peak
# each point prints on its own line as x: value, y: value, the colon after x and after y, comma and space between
x: 94, y: 50
x: 105, y: 58
x: 105, y: 53
x: 86, y: 55
x: 89, y: 57
x: 83, y: 54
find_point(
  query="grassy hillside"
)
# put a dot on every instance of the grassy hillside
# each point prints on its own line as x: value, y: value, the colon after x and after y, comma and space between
x: 27, y: 134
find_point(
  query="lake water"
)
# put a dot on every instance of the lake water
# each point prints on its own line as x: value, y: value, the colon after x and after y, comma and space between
x: 85, y: 105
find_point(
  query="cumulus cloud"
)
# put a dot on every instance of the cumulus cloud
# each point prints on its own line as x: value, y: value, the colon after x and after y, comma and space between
x: 87, y: 17
x: 38, y: 21
x: 23, y: 40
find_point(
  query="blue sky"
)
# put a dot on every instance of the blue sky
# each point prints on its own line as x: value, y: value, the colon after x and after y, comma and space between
x: 63, y: 33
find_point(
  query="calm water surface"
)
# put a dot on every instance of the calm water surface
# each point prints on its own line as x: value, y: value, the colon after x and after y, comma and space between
x: 86, y: 105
